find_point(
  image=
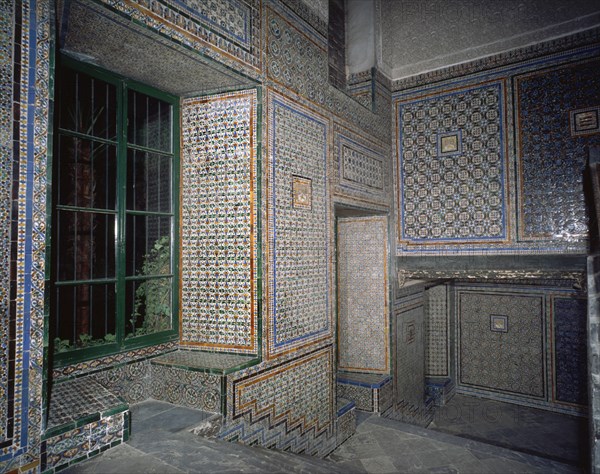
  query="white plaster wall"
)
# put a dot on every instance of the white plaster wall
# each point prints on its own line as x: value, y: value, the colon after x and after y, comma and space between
x: 423, y: 35
x: 360, y: 35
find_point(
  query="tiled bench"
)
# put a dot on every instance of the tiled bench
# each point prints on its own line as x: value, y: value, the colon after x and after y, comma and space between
x: 195, y: 379
x: 370, y: 392
x: 345, y: 419
x: 439, y: 389
x: 84, y: 419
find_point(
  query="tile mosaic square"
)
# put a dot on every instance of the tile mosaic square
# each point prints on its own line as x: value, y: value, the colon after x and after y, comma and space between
x: 449, y: 144
x: 302, y: 192
x: 498, y: 323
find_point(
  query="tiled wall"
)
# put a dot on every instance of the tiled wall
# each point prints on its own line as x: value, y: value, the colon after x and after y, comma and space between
x: 409, y: 403
x: 299, y: 248
x: 437, y: 317
x: 219, y: 222
x: 363, y: 310
x: 493, y: 163
x: 522, y: 343
x: 25, y: 73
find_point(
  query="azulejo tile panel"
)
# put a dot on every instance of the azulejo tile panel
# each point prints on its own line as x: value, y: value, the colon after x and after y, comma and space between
x: 570, y: 350
x: 299, y: 239
x: 227, y: 29
x: 363, y: 322
x: 550, y: 193
x: 219, y: 222
x: 511, y: 362
x: 296, y: 60
x: 459, y: 196
x: 289, y: 406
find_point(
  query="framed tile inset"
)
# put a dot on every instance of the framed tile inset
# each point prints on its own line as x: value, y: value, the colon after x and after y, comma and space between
x: 498, y: 323
x: 449, y: 143
x: 585, y: 121
x: 301, y: 192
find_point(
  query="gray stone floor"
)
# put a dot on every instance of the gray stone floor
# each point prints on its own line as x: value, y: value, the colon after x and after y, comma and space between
x: 162, y: 442
x: 544, y: 433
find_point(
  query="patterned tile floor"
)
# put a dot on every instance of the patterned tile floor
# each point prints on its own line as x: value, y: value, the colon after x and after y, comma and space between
x: 529, y: 430
x: 161, y: 442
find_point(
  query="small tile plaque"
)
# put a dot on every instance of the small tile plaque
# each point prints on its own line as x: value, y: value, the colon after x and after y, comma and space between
x: 410, y: 332
x: 301, y: 192
x: 498, y: 323
x: 585, y: 121
x: 449, y: 143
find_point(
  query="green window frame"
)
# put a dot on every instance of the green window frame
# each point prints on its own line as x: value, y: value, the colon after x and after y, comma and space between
x: 115, y: 215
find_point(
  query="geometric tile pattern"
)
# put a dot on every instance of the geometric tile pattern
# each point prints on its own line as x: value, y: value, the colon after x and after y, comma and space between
x: 363, y: 322
x: 297, y: 59
x: 108, y: 362
x: 289, y: 406
x: 512, y: 361
x: 314, y: 12
x: 199, y: 25
x: 570, y: 350
x: 360, y: 168
x: 186, y: 388
x: 132, y: 382
x: 345, y: 423
x: 550, y: 189
x: 452, y: 196
x: 299, y: 239
x: 219, y: 222
x: 436, y: 331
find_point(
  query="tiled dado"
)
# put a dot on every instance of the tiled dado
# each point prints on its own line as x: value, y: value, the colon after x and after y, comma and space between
x: 369, y: 392
x: 84, y: 420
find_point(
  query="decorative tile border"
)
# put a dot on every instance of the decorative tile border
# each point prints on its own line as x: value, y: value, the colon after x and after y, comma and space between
x: 528, y: 53
x: 28, y: 105
x: 299, y: 239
